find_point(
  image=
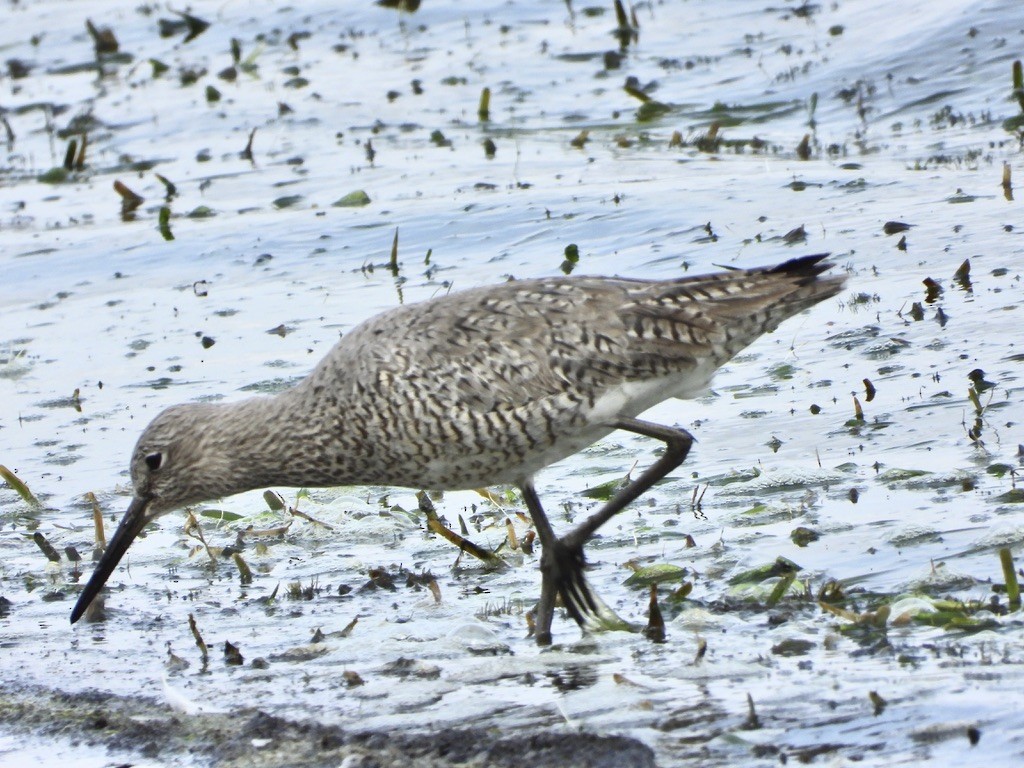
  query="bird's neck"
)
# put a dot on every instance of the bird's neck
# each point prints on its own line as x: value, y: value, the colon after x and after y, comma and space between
x: 267, y: 442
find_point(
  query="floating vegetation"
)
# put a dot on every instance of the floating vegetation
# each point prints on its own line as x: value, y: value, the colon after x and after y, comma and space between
x: 782, y: 566
x: 604, y: 491
x: 572, y: 258
x: 960, y: 196
x: 355, y: 199
x: 659, y: 573
x: 53, y: 176
x: 649, y: 107
x: 221, y: 515
x: 802, y: 536
x: 164, y: 223
x: 1010, y: 578
x: 287, y: 201
x: 483, y: 111
x: 793, y: 647
x: 781, y: 587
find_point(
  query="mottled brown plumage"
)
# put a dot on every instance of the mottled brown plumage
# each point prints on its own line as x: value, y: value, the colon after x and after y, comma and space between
x: 482, y: 387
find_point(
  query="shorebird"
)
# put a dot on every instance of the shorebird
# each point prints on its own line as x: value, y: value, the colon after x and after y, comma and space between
x: 477, y: 388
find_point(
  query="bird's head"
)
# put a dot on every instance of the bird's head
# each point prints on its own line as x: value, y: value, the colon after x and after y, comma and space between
x: 178, y: 460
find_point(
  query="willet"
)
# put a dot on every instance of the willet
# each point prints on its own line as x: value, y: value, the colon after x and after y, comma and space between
x: 478, y: 388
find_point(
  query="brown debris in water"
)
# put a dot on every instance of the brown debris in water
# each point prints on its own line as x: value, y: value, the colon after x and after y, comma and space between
x: 434, y: 525
x: 869, y: 390
x: 877, y: 702
x: 246, y: 153
x: 894, y: 227
x: 232, y: 656
x: 130, y: 201
x: 200, y: 643
x: 963, y: 276
x: 103, y: 38
x: 655, y: 629
x: 47, y: 548
x: 803, y: 149
x: 797, y: 235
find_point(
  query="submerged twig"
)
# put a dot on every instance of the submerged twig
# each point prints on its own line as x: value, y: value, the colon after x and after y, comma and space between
x: 200, y: 643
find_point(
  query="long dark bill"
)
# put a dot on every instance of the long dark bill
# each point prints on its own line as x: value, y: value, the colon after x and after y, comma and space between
x: 132, y: 523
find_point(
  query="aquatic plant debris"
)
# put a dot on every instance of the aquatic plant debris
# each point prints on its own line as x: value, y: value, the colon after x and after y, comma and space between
x: 434, y: 525
x: 353, y: 199
x: 18, y: 486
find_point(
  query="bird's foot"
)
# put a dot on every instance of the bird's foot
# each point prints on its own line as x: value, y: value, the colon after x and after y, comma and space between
x: 562, y: 575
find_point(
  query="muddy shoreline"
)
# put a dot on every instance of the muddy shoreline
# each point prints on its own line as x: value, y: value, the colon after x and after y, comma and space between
x: 251, y: 737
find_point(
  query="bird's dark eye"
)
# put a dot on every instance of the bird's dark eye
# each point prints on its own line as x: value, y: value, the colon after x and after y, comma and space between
x: 154, y: 460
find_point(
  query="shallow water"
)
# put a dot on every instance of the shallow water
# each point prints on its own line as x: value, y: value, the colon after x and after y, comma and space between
x: 907, y: 126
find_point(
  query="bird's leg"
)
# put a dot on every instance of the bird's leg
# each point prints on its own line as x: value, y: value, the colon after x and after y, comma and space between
x: 561, y: 569
x: 562, y: 560
x: 549, y: 544
x: 677, y: 446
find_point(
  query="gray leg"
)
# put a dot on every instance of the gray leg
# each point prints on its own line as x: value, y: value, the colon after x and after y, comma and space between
x: 677, y: 445
x: 561, y: 570
x: 562, y: 559
x: 550, y: 545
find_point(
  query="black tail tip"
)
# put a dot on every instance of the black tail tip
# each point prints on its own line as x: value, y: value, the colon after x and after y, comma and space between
x: 811, y: 265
